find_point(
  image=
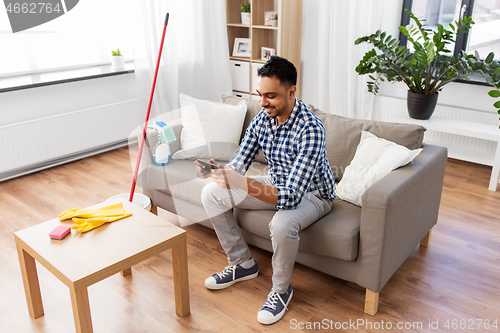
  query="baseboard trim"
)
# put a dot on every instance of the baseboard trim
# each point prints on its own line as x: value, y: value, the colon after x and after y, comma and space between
x: 64, y: 159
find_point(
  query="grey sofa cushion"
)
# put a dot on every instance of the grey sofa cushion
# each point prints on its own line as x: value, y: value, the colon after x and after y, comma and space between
x: 179, y: 179
x: 253, y: 109
x: 344, y: 134
x: 336, y: 235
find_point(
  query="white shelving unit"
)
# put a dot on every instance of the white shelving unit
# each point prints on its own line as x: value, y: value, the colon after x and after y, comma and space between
x: 285, y: 39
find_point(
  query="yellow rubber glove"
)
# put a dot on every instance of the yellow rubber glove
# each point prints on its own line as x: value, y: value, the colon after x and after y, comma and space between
x: 88, y: 219
x: 87, y: 225
x: 84, y: 225
x: 112, y: 210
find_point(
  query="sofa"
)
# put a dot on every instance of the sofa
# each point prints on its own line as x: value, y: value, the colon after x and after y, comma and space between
x: 362, y: 244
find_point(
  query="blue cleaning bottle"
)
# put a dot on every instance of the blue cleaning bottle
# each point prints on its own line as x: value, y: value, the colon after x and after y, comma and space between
x: 161, y: 152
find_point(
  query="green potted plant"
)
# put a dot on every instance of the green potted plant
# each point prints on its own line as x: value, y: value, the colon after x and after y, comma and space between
x: 428, y: 68
x: 117, y: 60
x: 275, y: 20
x: 245, y: 12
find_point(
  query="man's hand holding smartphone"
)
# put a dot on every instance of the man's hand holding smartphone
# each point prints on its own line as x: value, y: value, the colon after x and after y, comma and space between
x: 204, y: 168
x: 221, y: 174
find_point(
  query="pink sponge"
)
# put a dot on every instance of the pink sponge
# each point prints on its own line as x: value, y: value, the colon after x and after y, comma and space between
x: 60, y: 232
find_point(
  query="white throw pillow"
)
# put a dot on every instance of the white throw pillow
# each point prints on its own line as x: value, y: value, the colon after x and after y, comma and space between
x: 209, y: 129
x: 373, y: 160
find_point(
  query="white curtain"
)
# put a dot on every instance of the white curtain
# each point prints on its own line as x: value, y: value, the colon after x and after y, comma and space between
x: 195, y: 57
x: 329, y: 80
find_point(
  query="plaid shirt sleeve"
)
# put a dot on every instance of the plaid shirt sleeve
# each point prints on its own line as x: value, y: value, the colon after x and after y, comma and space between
x: 311, y: 148
x: 247, y: 151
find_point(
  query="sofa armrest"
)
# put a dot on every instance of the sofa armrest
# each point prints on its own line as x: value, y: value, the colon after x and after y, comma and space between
x: 397, y: 212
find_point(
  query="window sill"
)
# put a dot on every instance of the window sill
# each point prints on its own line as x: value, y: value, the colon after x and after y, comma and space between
x: 474, y: 80
x: 28, y: 81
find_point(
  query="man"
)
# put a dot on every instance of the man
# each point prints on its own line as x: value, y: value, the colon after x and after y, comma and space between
x: 300, y: 185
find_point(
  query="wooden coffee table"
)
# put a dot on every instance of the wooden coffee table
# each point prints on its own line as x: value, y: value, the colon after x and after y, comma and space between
x: 80, y: 260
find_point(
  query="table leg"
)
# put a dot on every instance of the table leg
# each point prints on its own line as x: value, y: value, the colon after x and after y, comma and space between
x: 81, y: 310
x: 30, y: 281
x: 127, y: 271
x: 181, y: 281
x: 495, y: 171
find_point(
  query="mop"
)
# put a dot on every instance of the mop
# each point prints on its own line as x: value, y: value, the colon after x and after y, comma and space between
x: 93, y: 218
x: 141, y: 145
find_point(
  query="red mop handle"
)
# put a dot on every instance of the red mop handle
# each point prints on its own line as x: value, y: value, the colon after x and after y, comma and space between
x: 141, y: 145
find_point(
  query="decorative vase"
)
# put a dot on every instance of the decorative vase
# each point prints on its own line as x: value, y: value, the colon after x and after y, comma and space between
x: 245, y: 18
x: 117, y: 62
x: 421, y: 106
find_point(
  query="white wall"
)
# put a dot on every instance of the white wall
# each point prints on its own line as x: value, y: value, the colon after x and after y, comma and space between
x: 460, y: 95
x: 46, y: 126
x: 30, y: 104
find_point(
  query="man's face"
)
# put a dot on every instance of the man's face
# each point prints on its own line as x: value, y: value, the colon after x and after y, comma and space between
x: 277, y: 99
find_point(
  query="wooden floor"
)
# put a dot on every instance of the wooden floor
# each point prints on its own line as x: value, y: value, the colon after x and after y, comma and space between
x: 456, y: 278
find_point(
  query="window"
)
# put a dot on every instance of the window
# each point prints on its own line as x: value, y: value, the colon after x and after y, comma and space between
x: 483, y: 37
x: 82, y: 37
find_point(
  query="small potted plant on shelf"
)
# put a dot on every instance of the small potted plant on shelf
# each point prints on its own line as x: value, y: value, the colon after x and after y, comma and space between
x: 245, y: 12
x: 117, y: 61
x: 275, y: 20
x: 429, y: 67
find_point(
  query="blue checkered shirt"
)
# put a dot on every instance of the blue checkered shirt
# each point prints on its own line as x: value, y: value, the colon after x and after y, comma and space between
x: 295, y: 152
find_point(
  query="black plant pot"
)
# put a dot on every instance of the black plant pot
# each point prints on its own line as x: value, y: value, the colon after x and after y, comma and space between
x: 421, y: 106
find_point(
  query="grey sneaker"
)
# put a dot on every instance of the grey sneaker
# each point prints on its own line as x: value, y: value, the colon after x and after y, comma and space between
x: 230, y: 275
x: 274, y: 307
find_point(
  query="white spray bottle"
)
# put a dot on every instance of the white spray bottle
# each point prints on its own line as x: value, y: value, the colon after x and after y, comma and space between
x: 161, y: 152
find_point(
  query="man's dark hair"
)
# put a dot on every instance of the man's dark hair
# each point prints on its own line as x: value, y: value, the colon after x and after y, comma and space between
x: 280, y: 68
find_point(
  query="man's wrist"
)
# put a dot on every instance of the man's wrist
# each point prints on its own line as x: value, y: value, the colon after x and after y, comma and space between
x: 235, y: 180
x: 261, y: 191
x: 242, y: 182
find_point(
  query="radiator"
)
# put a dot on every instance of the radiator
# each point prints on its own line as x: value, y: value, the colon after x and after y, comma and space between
x: 460, y: 147
x: 45, y: 142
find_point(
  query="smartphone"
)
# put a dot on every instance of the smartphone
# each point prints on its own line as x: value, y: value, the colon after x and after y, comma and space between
x: 207, y: 165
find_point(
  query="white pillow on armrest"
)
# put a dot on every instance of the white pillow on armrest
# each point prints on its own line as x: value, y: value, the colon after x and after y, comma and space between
x: 373, y: 160
x: 209, y: 129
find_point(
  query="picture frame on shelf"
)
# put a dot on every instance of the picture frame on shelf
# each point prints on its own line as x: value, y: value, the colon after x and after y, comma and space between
x: 266, y: 53
x: 242, y: 47
x: 269, y: 17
